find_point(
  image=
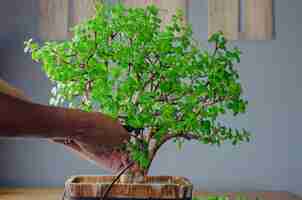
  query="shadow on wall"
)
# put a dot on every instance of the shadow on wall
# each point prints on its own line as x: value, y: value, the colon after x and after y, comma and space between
x: 18, y: 22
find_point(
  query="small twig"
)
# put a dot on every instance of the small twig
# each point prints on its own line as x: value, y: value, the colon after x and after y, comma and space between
x: 216, y: 49
x: 129, y: 69
x: 60, y: 58
x: 167, y: 138
x: 116, y: 179
x: 94, y: 50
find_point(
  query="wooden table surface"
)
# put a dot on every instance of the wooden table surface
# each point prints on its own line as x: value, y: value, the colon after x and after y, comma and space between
x: 56, y: 193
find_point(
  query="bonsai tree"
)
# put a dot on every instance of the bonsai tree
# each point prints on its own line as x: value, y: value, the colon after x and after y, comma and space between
x: 157, y: 81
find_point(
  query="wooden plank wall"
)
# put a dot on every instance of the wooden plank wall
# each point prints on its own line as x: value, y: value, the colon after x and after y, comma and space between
x: 80, y: 10
x: 53, y: 19
x: 255, y: 17
x: 57, y: 16
x: 224, y: 16
x: 167, y: 7
x: 258, y: 19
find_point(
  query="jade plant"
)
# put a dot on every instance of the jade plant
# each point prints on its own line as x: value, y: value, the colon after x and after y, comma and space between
x: 157, y: 81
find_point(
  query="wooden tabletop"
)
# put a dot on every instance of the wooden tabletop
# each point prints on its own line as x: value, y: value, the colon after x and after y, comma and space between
x: 56, y: 193
x: 30, y: 194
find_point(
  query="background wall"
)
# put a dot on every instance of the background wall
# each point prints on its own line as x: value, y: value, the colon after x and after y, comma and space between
x: 270, y: 72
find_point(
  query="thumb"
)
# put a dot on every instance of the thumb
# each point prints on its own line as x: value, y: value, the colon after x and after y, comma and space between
x: 67, y: 143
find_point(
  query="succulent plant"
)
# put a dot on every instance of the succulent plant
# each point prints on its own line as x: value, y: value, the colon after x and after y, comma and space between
x: 157, y: 81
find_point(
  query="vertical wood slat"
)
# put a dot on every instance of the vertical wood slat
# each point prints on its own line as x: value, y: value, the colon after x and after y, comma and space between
x: 224, y: 15
x: 257, y: 15
x: 167, y: 7
x: 80, y: 10
x: 53, y: 19
x: 170, y: 8
x: 56, y: 17
x: 135, y: 3
x: 258, y: 20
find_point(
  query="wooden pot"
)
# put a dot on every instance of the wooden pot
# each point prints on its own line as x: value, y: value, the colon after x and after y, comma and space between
x: 150, y: 188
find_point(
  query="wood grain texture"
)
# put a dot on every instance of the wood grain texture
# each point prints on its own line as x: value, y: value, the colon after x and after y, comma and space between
x: 53, y: 19
x: 167, y: 8
x: 258, y: 20
x: 158, y: 187
x: 56, y: 194
x: 58, y: 16
x: 80, y: 10
x: 31, y: 193
x: 224, y: 15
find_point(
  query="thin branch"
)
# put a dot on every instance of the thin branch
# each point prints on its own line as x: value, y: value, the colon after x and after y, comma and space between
x: 213, y: 102
x: 167, y: 138
x: 157, y: 86
x: 61, y: 59
x: 94, y: 50
x: 216, y: 49
x: 150, y: 135
x: 113, y: 35
x: 129, y: 68
x: 145, y: 86
x: 187, y: 136
x: 149, y: 60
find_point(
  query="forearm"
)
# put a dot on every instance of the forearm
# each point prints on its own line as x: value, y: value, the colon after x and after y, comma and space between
x: 23, y: 119
x: 11, y: 91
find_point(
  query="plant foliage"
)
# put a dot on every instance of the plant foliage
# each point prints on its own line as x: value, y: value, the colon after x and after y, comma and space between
x: 157, y: 81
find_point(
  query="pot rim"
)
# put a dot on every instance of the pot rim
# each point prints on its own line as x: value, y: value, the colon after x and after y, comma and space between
x: 172, y: 187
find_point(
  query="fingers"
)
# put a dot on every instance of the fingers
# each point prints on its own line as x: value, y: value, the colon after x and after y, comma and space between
x: 104, y: 157
x: 67, y: 143
x: 78, y: 149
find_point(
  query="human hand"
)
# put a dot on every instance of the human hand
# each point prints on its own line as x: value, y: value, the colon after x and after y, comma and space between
x: 93, y: 136
x: 111, y: 160
x: 95, y: 130
x: 99, y: 141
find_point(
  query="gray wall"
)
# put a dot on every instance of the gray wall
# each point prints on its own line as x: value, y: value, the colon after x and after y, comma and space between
x: 270, y: 72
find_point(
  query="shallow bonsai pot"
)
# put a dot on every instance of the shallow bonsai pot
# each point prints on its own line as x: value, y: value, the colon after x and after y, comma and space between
x: 151, y: 188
